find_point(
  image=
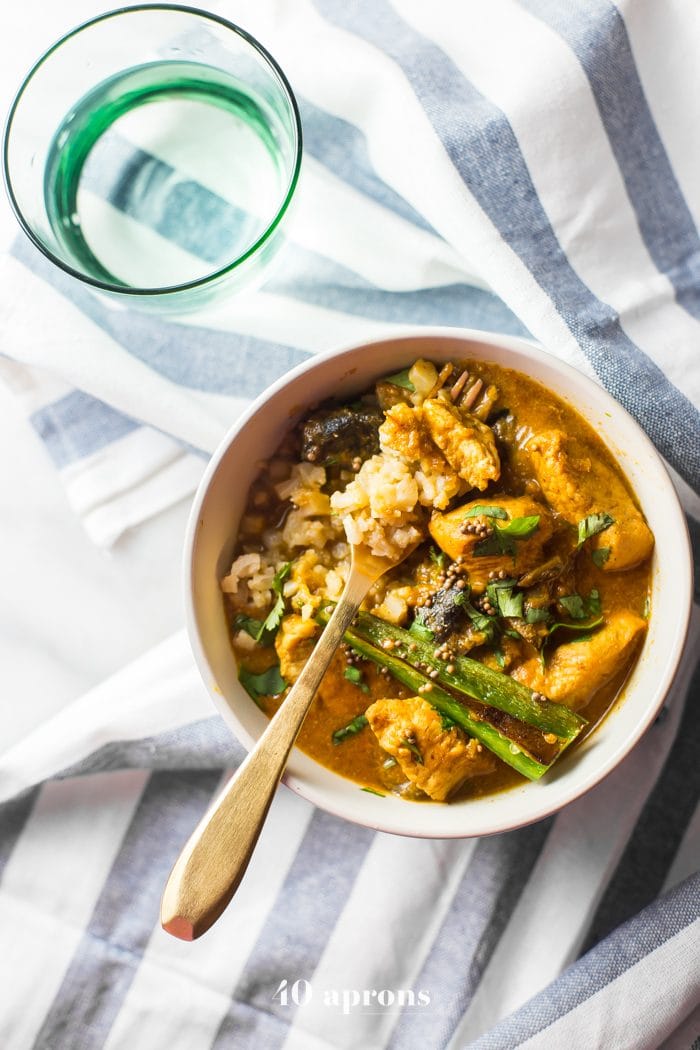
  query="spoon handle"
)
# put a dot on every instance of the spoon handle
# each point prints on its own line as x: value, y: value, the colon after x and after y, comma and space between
x: 213, y: 862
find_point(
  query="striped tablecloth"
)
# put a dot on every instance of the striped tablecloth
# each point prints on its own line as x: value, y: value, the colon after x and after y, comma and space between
x: 526, y: 167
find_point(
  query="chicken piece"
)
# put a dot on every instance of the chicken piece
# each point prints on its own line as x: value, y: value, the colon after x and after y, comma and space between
x: 576, y: 483
x: 448, y: 532
x: 469, y: 446
x: 294, y: 642
x: 436, y: 760
x: 576, y: 670
x: 404, y: 433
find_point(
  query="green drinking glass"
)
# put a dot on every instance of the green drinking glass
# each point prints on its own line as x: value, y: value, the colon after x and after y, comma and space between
x: 152, y: 153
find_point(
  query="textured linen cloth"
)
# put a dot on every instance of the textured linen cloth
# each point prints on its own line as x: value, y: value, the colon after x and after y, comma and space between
x: 522, y: 167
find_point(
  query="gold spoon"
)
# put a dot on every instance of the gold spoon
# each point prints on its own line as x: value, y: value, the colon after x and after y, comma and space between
x: 210, y: 868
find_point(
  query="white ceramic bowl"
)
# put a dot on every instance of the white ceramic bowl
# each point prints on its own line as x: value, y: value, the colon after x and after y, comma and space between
x: 212, y: 533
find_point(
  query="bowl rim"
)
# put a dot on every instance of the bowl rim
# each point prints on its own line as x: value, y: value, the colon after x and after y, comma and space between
x: 683, y: 594
x: 214, y: 275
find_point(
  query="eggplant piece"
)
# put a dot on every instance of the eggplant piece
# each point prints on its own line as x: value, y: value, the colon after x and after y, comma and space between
x: 343, y: 433
x: 446, y: 613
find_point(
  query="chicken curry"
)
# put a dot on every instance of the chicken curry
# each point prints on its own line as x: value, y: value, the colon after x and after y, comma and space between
x: 505, y: 634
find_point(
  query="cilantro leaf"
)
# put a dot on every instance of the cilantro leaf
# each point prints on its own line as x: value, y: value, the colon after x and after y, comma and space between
x: 578, y: 607
x: 586, y: 627
x: 413, y: 748
x: 438, y: 557
x: 573, y: 604
x: 269, y: 683
x: 487, y: 624
x: 510, y: 603
x: 273, y: 618
x: 251, y: 626
x: 486, y: 511
x: 501, y: 540
x: 500, y: 656
x: 592, y: 525
x: 534, y: 615
x: 354, y: 675
x: 400, y: 379
x: 420, y: 631
x: 600, y: 556
x: 521, y: 528
x: 351, y: 729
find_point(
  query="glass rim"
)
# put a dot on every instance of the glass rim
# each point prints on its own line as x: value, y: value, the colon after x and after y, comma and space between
x: 208, y: 278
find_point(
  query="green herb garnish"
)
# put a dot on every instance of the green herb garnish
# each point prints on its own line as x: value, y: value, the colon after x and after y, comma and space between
x: 269, y: 683
x: 420, y: 631
x: 534, y: 615
x: 413, y: 748
x: 486, y: 624
x: 573, y: 604
x: 501, y: 540
x: 600, y: 556
x: 371, y: 791
x: 400, y: 379
x: 500, y: 656
x: 438, y: 557
x: 587, y: 627
x: 251, y: 626
x: 592, y: 525
x: 510, y: 602
x: 354, y: 675
x: 351, y: 729
x: 273, y: 618
x: 486, y: 511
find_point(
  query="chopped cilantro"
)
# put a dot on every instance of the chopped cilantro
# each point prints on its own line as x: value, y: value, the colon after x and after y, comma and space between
x: 413, y: 748
x: 573, y: 605
x: 501, y: 540
x: 420, y: 631
x: 487, y: 624
x: 272, y: 621
x: 269, y: 683
x: 371, y: 791
x: 592, y: 525
x: 486, y: 511
x: 438, y: 557
x: 600, y: 556
x: 354, y: 675
x: 400, y: 379
x: 586, y: 627
x: 251, y: 626
x: 578, y: 607
x: 510, y: 603
x: 500, y: 656
x: 351, y: 729
x: 534, y: 615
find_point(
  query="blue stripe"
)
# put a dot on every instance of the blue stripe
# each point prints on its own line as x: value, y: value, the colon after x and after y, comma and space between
x: 295, y: 933
x: 190, y: 355
x: 311, y: 278
x: 643, y: 868
x: 106, y: 960
x: 185, y: 212
x: 13, y: 817
x: 481, y: 909
x: 342, y: 148
x: 629, y: 945
x: 205, y: 744
x: 478, y: 138
x: 597, y: 35
x: 78, y: 425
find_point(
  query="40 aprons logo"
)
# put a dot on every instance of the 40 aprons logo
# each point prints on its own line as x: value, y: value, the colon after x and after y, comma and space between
x: 301, y: 992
